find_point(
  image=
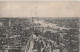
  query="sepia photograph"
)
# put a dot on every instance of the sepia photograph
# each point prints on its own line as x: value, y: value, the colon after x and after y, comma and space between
x: 39, y: 26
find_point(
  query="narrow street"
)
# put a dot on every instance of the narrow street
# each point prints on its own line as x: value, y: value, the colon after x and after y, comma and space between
x: 31, y: 47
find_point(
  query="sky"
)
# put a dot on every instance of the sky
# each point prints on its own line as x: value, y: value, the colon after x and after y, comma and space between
x: 39, y: 0
x: 39, y: 9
